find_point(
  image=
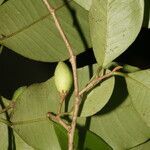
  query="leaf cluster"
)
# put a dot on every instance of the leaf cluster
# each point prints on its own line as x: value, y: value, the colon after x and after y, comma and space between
x: 114, y: 114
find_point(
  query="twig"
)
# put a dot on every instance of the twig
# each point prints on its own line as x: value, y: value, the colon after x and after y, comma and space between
x: 120, y: 74
x: 99, y: 69
x: 98, y: 79
x: 11, y: 105
x: 62, y: 99
x: 74, y: 68
x: 58, y: 120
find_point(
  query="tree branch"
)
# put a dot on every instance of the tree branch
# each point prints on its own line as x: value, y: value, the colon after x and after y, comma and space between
x: 74, y: 68
x: 98, y: 79
x: 58, y: 120
x: 71, y: 128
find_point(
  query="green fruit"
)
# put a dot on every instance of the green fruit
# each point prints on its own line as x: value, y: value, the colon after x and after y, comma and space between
x: 63, y: 78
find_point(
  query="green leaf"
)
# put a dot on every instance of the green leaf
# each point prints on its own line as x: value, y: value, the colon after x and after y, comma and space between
x: 126, y: 68
x: 38, y: 134
x: 46, y: 92
x: 94, y: 100
x: 93, y: 142
x: 4, y: 139
x: 98, y: 98
x: 18, y: 92
x: 114, y: 25
x: 29, y: 115
x: 1, y: 1
x: 5, y: 101
x: 20, y: 144
x: 8, y: 138
x: 144, y: 146
x: 119, y: 123
x: 27, y: 28
x: 3, y: 136
x: 86, y: 4
x: 130, y: 69
x: 33, y: 104
x: 62, y: 136
x: 138, y: 84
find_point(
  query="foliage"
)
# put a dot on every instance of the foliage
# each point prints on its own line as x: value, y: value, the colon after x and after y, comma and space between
x: 117, y: 108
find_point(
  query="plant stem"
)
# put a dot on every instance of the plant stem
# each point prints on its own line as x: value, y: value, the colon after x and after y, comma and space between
x: 62, y: 99
x: 56, y: 118
x: 120, y: 74
x: 74, y: 68
x: 98, y: 79
x: 76, y: 105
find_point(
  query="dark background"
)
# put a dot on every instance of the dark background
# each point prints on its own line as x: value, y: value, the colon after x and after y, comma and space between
x: 16, y: 70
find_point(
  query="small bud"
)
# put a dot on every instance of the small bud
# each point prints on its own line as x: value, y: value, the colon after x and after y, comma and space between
x: 63, y: 78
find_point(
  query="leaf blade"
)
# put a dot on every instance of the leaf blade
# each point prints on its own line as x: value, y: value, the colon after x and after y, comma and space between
x: 27, y: 28
x: 119, y: 123
x: 114, y: 25
x: 32, y: 105
x: 84, y: 3
x: 3, y: 130
x: 140, y: 93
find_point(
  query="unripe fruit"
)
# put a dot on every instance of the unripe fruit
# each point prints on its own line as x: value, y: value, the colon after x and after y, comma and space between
x: 63, y: 78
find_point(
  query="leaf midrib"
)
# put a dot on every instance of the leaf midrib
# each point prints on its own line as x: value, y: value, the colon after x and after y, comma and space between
x: 106, y: 31
x: 35, y: 120
x: 30, y: 25
x: 139, y: 82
